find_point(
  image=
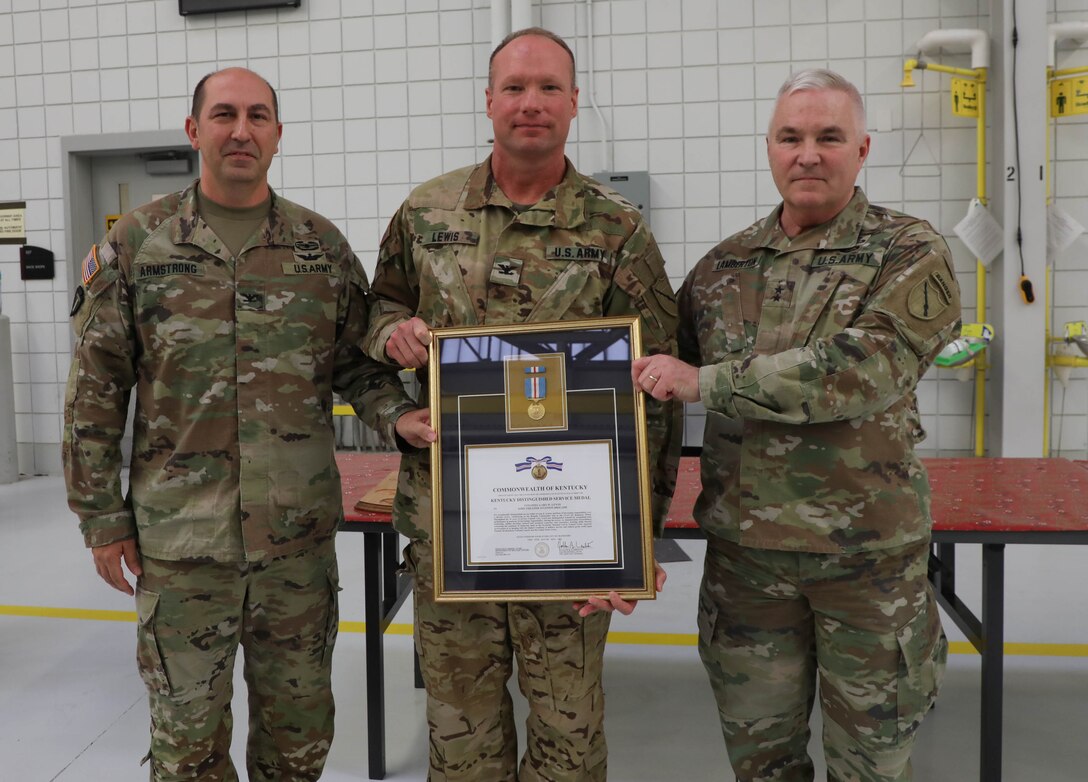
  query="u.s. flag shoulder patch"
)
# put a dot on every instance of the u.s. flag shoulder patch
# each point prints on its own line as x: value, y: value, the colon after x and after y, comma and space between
x: 95, y: 260
x: 91, y: 265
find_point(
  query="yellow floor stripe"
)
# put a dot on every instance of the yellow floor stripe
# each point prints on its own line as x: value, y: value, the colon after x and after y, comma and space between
x: 1012, y: 649
x: 69, y: 613
x: 654, y: 639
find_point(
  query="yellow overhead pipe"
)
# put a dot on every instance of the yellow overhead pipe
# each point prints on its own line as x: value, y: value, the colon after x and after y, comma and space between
x: 1057, y: 74
x: 978, y: 75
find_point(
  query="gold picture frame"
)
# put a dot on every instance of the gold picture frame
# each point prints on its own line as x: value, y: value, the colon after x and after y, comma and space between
x: 539, y: 474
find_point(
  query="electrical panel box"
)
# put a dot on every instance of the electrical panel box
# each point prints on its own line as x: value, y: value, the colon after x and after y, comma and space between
x: 632, y: 185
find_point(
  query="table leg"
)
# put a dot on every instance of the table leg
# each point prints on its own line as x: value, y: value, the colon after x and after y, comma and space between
x: 375, y: 663
x: 993, y: 634
x: 390, y: 563
x: 946, y: 552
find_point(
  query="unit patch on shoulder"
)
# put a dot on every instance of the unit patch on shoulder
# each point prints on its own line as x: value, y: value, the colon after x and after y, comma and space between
x: 930, y: 297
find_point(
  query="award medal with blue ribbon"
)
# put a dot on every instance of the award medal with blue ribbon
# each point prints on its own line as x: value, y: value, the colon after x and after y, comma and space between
x: 538, y: 468
x: 536, y: 389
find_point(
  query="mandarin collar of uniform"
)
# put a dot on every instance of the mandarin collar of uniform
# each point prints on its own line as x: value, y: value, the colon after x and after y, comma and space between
x: 839, y: 233
x: 190, y: 227
x: 279, y: 230
x: 564, y: 206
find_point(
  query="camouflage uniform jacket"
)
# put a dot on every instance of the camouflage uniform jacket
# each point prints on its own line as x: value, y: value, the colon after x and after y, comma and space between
x: 458, y: 253
x: 234, y: 363
x: 810, y: 350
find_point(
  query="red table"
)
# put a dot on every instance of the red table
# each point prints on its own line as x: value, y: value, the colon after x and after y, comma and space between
x: 987, y: 502
x: 384, y: 590
x: 993, y: 502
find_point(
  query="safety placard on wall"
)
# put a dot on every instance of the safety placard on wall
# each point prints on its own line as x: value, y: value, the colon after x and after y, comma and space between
x: 110, y: 220
x: 964, y: 97
x: 1069, y: 96
x: 12, y: 222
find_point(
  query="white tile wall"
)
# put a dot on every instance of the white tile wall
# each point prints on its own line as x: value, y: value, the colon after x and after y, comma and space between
x: 379, y: 95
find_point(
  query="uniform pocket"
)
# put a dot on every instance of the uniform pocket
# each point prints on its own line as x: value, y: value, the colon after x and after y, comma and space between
x: 707, y: 619
x: 148, y: 655
x: 924, y: 652
x: 658, y: 309
x: 561, y: 658
x: 332, y: 621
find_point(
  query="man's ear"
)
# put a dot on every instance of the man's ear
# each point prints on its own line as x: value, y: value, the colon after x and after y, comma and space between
x: 192, y: 131
x: 863, y: 151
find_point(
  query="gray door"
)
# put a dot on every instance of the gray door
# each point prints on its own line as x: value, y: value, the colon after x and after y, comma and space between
x: 120, y: 183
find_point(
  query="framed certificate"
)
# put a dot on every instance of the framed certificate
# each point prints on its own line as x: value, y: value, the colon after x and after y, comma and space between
x: 539, y: 473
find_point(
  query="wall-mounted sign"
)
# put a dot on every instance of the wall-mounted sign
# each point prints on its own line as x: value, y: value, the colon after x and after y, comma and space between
x: 1069, y: 96
x: 12, y: 222
x: 964, y: 97
x: 35, y: 263
x: 110, y: 220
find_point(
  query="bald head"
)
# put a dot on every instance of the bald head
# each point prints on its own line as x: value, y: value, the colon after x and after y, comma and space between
x: 201, y: 89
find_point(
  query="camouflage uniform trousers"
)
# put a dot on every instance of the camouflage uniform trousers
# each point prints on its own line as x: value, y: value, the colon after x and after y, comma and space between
x: 192, y: 617
x: 466, y: 653
x: 865, y: 624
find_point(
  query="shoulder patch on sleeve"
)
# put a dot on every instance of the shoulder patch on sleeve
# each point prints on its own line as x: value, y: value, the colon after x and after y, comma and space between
x: 97, y: 258
x: 91, y: 266
x: 77, y: 301
x: 930, y: 296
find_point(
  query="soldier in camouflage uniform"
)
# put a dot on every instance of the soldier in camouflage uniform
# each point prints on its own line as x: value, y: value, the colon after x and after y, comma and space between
x: 520, y: 237
x: 235, y: 314
x: 811, y: 329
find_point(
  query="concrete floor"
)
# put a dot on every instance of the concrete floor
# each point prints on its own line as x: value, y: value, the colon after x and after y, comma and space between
x: 72, y: 707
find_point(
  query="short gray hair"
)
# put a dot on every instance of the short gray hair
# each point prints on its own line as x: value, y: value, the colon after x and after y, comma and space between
x: 822, y: 79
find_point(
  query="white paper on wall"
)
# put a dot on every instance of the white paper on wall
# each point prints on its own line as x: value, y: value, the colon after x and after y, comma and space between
x: 981, y: 233
x: 1061, y: 231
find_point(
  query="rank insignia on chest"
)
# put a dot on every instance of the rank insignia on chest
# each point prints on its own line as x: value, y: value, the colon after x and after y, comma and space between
x: 252, y: 301
x: 506, y: 271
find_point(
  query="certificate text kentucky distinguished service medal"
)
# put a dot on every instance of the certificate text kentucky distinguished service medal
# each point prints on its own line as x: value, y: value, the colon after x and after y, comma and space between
x: 539, y: 503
